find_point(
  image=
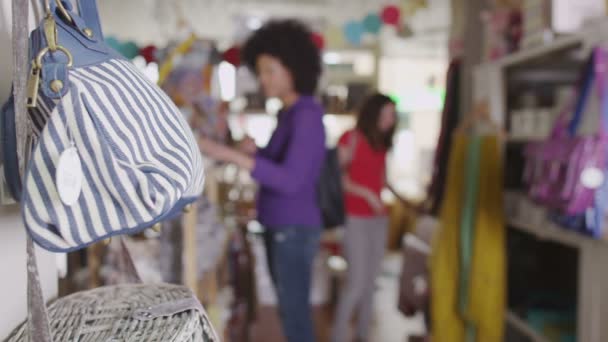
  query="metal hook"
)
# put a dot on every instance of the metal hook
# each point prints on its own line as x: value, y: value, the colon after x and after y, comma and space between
x: 64, y: 12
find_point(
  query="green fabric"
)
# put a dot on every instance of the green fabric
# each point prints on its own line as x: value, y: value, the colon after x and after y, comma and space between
x: 467, y: 228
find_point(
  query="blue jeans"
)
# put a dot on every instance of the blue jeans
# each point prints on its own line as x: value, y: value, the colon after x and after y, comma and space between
x: 291, y: 251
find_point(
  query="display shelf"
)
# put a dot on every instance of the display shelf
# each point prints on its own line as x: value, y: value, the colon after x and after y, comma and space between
x: 552, y: 232
x: 524, y: 328
x: 496, y: 83
x: 557, y: 46
x: 522, y: 140
x: 585, y: 38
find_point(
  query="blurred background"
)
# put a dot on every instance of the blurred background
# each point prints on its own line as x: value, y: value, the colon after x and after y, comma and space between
x: 506, y: 76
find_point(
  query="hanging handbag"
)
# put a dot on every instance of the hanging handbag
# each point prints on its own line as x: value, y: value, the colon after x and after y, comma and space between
x: 113, y: 155
x: 565, y: 170
x: 127, y: 312
x: 330, y: 193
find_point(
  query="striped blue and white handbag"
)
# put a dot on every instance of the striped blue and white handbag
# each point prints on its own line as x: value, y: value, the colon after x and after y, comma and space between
x: 112, y: 153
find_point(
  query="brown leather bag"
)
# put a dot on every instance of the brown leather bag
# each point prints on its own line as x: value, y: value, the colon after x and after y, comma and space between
x: 414, y: 282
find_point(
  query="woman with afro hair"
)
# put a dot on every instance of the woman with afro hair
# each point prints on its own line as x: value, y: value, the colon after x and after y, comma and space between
x: 287, y: 64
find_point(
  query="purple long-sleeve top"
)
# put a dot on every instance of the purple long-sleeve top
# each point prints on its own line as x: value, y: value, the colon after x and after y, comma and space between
x: 288, y: 168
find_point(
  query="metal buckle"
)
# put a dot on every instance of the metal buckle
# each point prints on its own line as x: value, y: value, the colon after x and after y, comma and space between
x: 46, y: 50
x: 50, y: 32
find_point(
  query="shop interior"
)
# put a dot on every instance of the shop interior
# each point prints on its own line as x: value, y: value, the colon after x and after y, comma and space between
x: 496, y: 189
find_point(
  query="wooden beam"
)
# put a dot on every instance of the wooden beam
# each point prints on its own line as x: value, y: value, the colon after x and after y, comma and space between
x: 472, y: 49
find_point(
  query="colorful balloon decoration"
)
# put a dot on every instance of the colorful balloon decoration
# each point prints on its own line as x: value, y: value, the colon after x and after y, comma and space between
x: 372, y: 23
x: 391, y: 15
x: 128, y: 49
x: 233, y: 55
x: 113, y: 43
x: 149, y: 53
x: 318, y: 39
x: 353, y: 31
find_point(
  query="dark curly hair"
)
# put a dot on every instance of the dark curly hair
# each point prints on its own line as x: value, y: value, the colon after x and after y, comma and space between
x: 290, y: 41
x: 367, y: 121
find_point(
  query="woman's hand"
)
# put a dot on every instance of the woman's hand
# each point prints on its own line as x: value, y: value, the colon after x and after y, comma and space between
x: 248, y: 146
x: 213, y: 150
x: 226, y: 154
x: 376, y: 203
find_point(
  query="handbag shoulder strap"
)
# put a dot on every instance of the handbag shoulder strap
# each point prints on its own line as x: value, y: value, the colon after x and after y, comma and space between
x: 90, y: 13
x: 38, y: 322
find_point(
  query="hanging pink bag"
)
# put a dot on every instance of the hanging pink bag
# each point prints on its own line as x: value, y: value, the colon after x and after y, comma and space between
x: 564, y: 171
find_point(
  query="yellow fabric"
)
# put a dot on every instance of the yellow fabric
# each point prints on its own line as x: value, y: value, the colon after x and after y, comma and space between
x: 488, y: 284
x: 446, y: 323
x: 488, y: 270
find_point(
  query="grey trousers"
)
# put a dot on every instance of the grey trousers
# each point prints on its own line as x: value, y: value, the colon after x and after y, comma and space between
x: 364, y: 247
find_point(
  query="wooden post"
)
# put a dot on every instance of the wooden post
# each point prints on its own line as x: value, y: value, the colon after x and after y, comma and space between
x: 189, y: 252
x: 473, y: 48
x: 94, y: 264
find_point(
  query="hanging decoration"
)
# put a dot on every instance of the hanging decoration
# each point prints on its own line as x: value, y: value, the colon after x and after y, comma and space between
x: 391, y: 15
x: 372, y: 23
x: 353, y: 32
x: 148, y: 53
x: 232, y: 55
x: 357, y: 32
x: 127, y: 49
x: 318, y: 39
x: 113, y: 43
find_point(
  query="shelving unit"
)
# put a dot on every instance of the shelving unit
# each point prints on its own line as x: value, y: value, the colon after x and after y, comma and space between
x: 551, y: 232
x: 520, y: 140
x: 554, y: 63
x: 524, y: 328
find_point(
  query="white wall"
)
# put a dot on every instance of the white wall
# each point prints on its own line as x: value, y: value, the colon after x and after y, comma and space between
x: 408, y: 78
x: 13, y: 283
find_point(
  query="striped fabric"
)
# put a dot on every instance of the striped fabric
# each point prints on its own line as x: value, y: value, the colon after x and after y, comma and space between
x: 139, y: 158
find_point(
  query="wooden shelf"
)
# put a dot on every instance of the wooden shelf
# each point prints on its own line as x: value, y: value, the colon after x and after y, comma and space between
x: 547, y: 230
x: 590, y: 35
x: 523, y: 327
x: 522, y: 140
x: 552, y: 232
x: 558, y: 45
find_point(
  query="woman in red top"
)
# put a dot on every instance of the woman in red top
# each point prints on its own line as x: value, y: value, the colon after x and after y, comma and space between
x: 362, y: 154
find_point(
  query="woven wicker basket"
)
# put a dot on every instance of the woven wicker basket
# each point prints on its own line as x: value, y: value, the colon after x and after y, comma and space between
x: 154, y: 313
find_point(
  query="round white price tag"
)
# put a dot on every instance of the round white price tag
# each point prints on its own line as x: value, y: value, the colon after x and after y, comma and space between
x: 592, y: 178
x: 68, y: 177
